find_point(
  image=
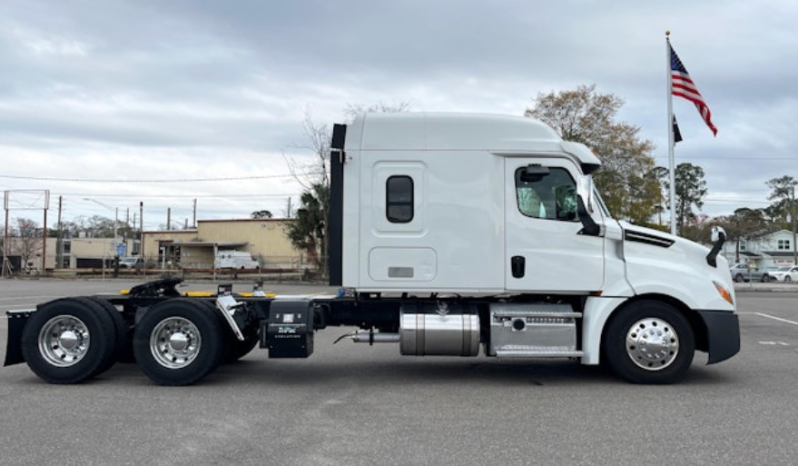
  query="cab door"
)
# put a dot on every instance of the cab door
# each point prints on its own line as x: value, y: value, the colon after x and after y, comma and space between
x: 544, y: 250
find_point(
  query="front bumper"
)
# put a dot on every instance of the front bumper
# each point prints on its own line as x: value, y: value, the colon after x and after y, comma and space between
x: 723, y: 334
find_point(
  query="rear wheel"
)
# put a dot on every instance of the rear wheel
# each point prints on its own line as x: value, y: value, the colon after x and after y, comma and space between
x: 239, y: 349
x: 739, y: 278
x: 123, y: 352
x: 178, y: 342
x: 765, y: 278
x: 68, y: 341
x: 234, y: 349
x: 649, y: 342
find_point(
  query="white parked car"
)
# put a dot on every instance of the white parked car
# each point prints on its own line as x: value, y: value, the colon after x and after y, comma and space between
x: 787, y: 273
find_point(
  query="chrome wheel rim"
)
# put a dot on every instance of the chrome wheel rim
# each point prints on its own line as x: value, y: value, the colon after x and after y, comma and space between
x: 652, y: 344
x: 64, y: 341
x: 175, y: 342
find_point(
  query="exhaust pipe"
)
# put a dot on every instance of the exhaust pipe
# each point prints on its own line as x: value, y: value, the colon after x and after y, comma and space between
x: 371, y: 337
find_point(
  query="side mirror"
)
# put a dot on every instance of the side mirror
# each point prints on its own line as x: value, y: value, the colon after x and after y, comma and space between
x: 718, y: 237
x: 584, y: 206
x: 584, y: 189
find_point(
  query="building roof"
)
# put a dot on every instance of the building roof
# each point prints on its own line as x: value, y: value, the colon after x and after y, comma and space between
x: 172, y: 232
x: 246, y: 220
x: 778, y: 253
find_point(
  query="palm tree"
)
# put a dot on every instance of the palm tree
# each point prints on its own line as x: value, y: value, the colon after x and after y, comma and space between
x: 308, y: 231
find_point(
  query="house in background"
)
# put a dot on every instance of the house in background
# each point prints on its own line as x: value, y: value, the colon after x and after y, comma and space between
x: 766, y: 250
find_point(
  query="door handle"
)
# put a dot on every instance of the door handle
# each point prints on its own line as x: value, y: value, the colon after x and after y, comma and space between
x: 517, y: 265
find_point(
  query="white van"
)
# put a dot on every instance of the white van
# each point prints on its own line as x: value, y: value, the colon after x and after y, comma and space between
x: 235, y: 260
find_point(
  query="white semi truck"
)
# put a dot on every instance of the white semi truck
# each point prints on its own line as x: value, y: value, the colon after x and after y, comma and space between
x: 449, y: 235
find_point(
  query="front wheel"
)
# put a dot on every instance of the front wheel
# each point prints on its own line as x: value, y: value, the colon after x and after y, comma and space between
x: 765, y: 278
x: 739, y: 278
x: 178, y: 342
x: 649, y: 342
x: 787, y: 279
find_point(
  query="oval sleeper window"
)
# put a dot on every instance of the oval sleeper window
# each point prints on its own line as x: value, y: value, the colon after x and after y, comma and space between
x: 399, y: 199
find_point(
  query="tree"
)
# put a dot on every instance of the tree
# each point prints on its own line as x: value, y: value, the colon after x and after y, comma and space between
x: 783, y: 196
x: 585, y: 116
x: 29, y: 244
x: 691, y: 188
x: 784, y: 205
x: 261, y: 214
x: 744, y: 223
x: 698, y: 228
x: 308, y: 232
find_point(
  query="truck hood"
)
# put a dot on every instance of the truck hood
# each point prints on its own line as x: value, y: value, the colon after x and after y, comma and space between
x: 655, y: 256
x: 652, y: 236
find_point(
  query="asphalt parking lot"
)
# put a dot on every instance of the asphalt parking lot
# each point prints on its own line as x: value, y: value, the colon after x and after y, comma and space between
x: 360, y: 405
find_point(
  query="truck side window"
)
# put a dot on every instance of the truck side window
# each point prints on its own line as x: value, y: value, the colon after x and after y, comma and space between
x: 552, y: 196
x: 399, y: 199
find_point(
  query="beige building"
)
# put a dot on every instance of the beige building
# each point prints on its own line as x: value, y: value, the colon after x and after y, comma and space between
x: 76, y: 253
x: 264, y: 239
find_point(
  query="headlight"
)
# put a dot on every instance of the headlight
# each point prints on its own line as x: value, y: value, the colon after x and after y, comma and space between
x: 723, y: 292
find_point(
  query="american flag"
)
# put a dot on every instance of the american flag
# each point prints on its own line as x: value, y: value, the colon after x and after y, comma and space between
x: 683, y: 86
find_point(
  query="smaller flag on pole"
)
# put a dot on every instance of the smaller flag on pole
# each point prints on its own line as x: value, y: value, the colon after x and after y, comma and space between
x: 683, y: 86
x: 677, y: 135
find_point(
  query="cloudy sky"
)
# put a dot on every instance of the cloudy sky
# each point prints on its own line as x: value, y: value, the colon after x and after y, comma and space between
x: 109, y: 103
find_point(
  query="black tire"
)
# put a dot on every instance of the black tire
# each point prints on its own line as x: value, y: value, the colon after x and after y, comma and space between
x: 124, y: 341
x: 83, y: 348
x: 787, y: 279
x: 238, y: 349
x: 765, y: 278
x: 739, y: 278
x: 625, y: 348
x: 195, y: 351
x: 234, y: 349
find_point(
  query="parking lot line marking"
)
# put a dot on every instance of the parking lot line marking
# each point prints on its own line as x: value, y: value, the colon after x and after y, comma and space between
x: 777, y: 318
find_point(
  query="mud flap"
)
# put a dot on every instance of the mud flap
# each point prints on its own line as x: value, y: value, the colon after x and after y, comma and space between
x: 16, y: 322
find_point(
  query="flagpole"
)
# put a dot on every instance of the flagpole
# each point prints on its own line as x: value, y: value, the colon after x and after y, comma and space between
x: 671, y: 157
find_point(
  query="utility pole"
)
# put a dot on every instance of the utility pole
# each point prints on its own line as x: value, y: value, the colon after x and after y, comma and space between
x: 168, y: 218
x: 6, y: 265
x: 59, y: 241
x: 194, y: 221
x: 43, y: 270
x: 141, y: 230
x: 792, y: 214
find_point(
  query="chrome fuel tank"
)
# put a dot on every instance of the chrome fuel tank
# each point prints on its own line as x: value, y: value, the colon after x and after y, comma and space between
x: 439, y: 329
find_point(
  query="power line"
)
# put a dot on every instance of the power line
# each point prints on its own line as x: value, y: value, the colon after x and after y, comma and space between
x: 186, y: 196
x: 727, y: 158
x: 172, y: 180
